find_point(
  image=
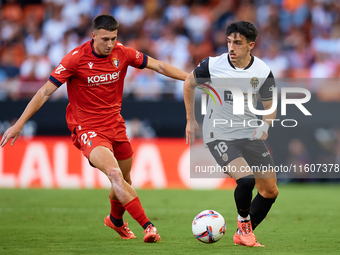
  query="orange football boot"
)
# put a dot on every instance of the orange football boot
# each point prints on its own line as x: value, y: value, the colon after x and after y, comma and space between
x: 151, y: 235
x: 123, y: 231
x: 244, y: 235
x: 237, y: 240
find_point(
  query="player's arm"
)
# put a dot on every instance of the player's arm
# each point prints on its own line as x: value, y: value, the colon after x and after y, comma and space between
x: 189, y: 100
x: 166, y: 69
x: 198, y: 76
x: 33, y: 106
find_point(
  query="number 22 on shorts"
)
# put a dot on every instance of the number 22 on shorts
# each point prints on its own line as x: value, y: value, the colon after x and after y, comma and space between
x: 87, y: 136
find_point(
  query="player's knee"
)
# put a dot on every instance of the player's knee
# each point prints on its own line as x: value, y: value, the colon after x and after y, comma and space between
x: 275, y: 192
x: 114, y: 174
x: 270, y: 192
x: 247, y: 182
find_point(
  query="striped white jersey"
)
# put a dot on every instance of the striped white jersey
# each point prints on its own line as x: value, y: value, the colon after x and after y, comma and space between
x: 223, y: 79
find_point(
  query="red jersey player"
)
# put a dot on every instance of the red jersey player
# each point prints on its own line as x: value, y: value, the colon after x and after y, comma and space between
x: 95, y: 73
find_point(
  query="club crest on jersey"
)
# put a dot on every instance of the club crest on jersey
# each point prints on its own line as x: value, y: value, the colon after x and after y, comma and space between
x: 59, y: 69
x: 115, y: 62
x: 254, y: 82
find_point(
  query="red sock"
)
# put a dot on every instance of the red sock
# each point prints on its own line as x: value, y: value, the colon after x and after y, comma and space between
x: 117, y: 209
x: 134, y: 207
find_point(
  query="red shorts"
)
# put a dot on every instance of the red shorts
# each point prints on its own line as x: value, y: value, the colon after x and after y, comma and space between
x: 86, y: 139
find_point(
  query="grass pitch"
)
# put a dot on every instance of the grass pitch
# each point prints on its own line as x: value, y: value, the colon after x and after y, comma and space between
x: 304, y: 220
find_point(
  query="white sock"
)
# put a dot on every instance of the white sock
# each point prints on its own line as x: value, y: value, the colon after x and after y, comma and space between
x: 240, y: 218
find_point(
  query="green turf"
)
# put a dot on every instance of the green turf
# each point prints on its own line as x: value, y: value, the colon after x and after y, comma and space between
x: 304, y: 220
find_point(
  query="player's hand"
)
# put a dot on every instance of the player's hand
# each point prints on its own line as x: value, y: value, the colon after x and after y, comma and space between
x: 258, y: 136
x: 261, y: 133
x: 190, y: 132
x: 12, y: 132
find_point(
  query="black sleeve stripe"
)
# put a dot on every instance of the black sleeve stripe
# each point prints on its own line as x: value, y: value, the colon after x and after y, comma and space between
x: 269, y: 78
x: 201, y: 72
x: 145, y: 62
x: 270, y: 75
x: 55, y: 81
x: 196, y: 79
x: 266, y: 88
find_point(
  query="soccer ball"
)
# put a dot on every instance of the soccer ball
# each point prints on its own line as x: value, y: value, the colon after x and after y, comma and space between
x: 208, y: 226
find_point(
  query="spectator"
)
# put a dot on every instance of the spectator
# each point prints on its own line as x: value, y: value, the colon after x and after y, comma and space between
x: 9, y: 77
x: 9, y: 32
x: 322, y: 67
x: 223, y: 13
x: 83, y: 30
x: 35, y: 43
x: 129, y: 15
x: 173, y: 49
x: 73, y: 10
x: 278, y: 63
x: 12, y: 11
x: 197, y: 23
x: 176, y: 12
x: 147, y: 86
x: 33, y: 73
x: 153, y: 26
x: 101, y: 7
x: 322, y: 15
x: 55, y: 27
x: 294, y: 12
x: 61, y: 48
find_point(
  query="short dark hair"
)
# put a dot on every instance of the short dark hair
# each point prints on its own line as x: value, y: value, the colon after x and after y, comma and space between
x: 106, y: 22
x: 245, y: 28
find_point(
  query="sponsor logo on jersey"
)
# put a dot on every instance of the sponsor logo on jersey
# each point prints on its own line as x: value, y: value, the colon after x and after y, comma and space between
x: 265, y: 154
x: 75, y: 52
x: 228, y: 96
x: 90, y: 64
x: 59, y: 69
x: 254, y: 82
x: 137, y: 54
x: 115, y: 62
x: 103, y: 77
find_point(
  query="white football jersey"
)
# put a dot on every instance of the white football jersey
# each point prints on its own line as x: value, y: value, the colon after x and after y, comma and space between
x: 222, y: 78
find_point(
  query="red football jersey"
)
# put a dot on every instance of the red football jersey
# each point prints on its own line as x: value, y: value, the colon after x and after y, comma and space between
x: 95, y: 83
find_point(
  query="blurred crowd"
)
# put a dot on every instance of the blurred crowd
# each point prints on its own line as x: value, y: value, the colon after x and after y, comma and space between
x: 297, y: 38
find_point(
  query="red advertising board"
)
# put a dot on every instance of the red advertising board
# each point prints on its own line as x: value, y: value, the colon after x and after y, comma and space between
x: 53, y: 162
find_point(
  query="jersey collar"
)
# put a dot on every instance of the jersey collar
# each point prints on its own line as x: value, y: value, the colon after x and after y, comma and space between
x: 94, y: 52
x: 247, y: 67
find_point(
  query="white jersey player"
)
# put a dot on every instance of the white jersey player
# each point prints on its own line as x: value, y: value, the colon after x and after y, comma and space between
x: 230, y: 128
